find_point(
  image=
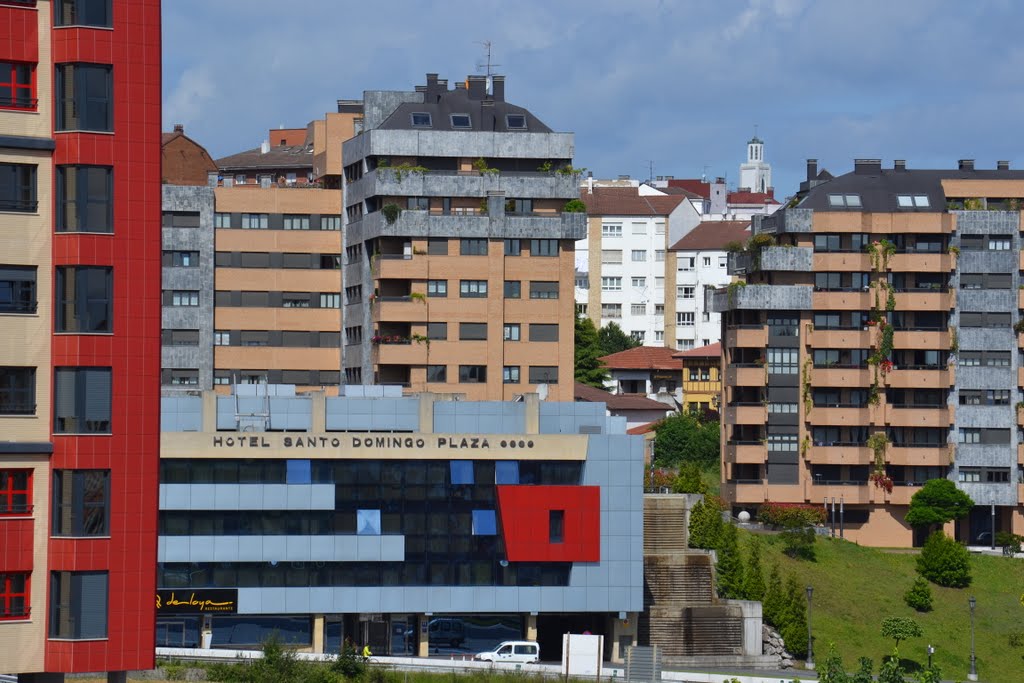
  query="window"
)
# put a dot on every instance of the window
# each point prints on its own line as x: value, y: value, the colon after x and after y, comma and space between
x: 437, y: 246
x: 582, y: 281
x: 332, y: 223
x: 180, y: 259
x: 639, y: 282
x: 83, y: 13
x: 611, y: 284
x: 659, y: 255
x: 513, y: 289
x: 543, y: 247
x: 638, y: 309
x: 611, y: 256
x: 1000, y: 242
x: 181, y: 297
x: 515, y: 121
x: 686, y: 263
x: 180, y: 338
x: 85, y: 97
x: 970, y: 435
x: 637, y: 335
x: 543, y: 332
x: 659, y: 309
x: 461, y: 472
x: 16, y: 89
x: 461, y: 121
x: 684, y: 319
x: 484, y: 523
x: 685, y: 292
x: 180, y: 219
x: 179, y: 377
x: 417, y: 203
x: 81, y: 401
x: 81, y: 503
x: 684, y: 344
x: 437, y: 331
x: 421, y: 119
x: 437, y: 288
x: 506, y: 472
x: 473, y: 247
x: 85, y: 199
x: 510, y: 374
x: 519, y: 206
x: 17, y: 289
x: 723, y: 261
x: 659, y: 227
x: 328, y: 261
x: 513, y: 247
x: 84, y: 299
x: 222, y: 220
x: 556, y: 526
x: 472, y: 331
x: 908, y: 201
x: 639, y: 255
x: 437, y: 373
x: 330, y: 300
x: 14, y: 602
x: 581, y: 309
x: 543, y: 374
x: 659, y: 283
x: 659, y: 335
x: 221, y: 338
x: 473, y: 289
x: 15, y: 492
x: 611, y: 310
x: 611, y: 230
x: 512, y: 332
x: 296, y: 222
x: 543, y: 290
x: 844, y: 201
x: 473, y: 374
x: 783, y: 361
x: 18, y: 188
x: 255, y: 221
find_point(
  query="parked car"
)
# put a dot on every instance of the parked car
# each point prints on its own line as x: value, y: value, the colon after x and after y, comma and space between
x: 520, y: 651
x: 450, y: 632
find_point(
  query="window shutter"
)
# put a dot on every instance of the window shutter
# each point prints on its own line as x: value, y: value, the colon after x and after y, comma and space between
x: 91, y: 604
x: 64, y: 387
x: 97, y: 395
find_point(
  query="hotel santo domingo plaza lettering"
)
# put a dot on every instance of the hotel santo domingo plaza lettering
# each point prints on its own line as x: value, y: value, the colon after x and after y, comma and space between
x: 367, y: 441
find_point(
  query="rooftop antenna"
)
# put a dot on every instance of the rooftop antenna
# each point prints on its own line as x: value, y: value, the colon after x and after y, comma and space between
x: 650, y: 170
x: 487, y: 66
x: 704, y: 174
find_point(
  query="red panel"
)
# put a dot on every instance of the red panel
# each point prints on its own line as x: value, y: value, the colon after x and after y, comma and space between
x: 525, y: 513
x: 16, y: 540
x: 19, y: 34
x: 131, y: 452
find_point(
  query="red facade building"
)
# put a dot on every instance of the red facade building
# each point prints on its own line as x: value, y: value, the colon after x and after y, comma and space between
x: 79, y: 334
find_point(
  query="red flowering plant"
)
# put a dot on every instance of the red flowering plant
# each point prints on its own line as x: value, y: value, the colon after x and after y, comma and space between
x: 885, y: 366
x: 881, y: 480
x: 661, y: 478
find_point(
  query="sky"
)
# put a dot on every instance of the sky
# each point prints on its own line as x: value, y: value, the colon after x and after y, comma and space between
x: 680, y: 84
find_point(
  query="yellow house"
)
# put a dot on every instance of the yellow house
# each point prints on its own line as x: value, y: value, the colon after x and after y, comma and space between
x: 702, y: 384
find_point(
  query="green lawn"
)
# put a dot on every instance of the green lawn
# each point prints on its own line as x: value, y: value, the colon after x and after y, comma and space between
x: 856, y: 587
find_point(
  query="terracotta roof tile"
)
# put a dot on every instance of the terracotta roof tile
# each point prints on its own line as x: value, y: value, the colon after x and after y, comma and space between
x: 713, y: 235
x: 700, y: 188
x: 709, y: 351
x: 642, y: 429
x: 627, y: 201
x: 747, y: 197
x: 587, y: 394
x: 642, y: 358
x: 297, y: 156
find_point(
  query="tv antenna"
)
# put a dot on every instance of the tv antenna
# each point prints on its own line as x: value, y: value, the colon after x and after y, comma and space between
x: 487, y: 66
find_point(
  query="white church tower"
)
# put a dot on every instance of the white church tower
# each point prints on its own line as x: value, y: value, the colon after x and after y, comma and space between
x: 756, y: 173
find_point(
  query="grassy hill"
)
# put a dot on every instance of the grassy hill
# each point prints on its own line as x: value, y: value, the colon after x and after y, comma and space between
x: 856, y: 587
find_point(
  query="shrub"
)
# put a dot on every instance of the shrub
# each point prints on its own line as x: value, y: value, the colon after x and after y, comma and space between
x: 798, y: 543
x: 574, y: 206
x: 773, y: 605
x: 689, y: 480
x: 789, y: 515
x: 350, y: 664
x: 891, y: 671
x: 391, y: 212
x: 1011, y: 541
x: 753, y: 577
x: 729, y: 572
x: 864, y: 668
x: 794, y: 618
x: 706, y: 524
x: 919, y: 596
x: 833, y: 671
x: 945, y: 562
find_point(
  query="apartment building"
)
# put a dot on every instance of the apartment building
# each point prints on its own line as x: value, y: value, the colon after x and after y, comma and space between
x: 458, y: 249
x: 702, y: 379
x: 701, y: 259
x: 649, y: 371
x: 874, y: 345
x: 624, y: 267
x: 79, y: 335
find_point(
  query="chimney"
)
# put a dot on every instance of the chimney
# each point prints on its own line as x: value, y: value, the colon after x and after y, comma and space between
x: 179, y: 128
x: 899, y: 165
x: 718, y: 197
x: 966, y: 164
x: 498, y: 88
x: 590, y: 182
x: 488, y: 121
x: 770, y: 192
x: 264, y: 146
x: 867, y: 166
x: 1002, y: 165
x: 812, y: 169
x: 477, y: 87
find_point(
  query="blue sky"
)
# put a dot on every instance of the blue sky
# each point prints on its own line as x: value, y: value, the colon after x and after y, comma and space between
x: 677, y: 82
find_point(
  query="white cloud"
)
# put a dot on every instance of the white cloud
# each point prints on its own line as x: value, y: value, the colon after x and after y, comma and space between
x: 188, y: 101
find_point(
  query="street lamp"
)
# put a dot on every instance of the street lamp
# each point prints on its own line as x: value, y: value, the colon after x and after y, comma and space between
x: 973, y: 673
x: 931, y: 651
x: 810, y: 640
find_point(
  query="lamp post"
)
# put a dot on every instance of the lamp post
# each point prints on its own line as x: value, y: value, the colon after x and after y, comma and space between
x: 931, y: 651
x: 972, y: 675
x: 810, y: 640
x: 992, y: 532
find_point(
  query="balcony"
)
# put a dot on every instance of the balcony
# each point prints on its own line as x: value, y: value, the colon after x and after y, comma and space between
x: 930, y: 455
x: 902, y: 493
x: 918, y: 416
x: 920, y: 377
x: 746, y: 452
x: 400, y: 267
x: 857, y: 262
x: 402, y: 309
x: 762, y: 298
x: 856, y: 338
x: 1020, y: 456
x: 925, y: 301
x: 451, y: 183
x: 420, y: 223
x: 924, y: 262
x: 746, y: 336
x: 835, y: 453
x: 743, y: 375
x: 857, y: 300
x: 921, y: 339
x: 786, y: 259
x: 744, y: 491
x: 840, y: 377
x: 746, y: 413
x: 402, y: 352
x: 851, y: 491
x: 841, y: 415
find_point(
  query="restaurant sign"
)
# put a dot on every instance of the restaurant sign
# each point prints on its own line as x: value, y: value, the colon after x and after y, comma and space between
x: 222, y: 600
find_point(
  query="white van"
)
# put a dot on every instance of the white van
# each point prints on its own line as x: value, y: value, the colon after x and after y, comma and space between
x: 519, y: 651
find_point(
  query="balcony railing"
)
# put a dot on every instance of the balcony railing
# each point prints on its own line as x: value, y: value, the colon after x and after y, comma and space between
x: 839, y: 482
x: 839, y: 444
x: 746, y: 481
x: 18, y: 102
x: 21, y: 205
x: 16, y: 509
x: 17, y: 408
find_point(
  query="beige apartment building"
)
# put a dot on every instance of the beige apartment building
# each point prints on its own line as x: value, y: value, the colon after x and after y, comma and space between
x: 874, y: 344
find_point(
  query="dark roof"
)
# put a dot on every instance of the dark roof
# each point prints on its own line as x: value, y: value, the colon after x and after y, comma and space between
x: 709, y: 351
x: 587, y: 394
x: 713, y: 235
x: 627, y: 201
x: 642, y: 358
x: 701, y: 188
x: 282, y: 156
x: 485, y: 115
x: 680, y: 191
x: 878, y: 188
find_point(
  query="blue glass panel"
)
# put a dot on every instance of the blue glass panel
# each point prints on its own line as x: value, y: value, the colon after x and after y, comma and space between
x: 368, y: 522
x: 506, y: 472
x: 484, y: 523
x: 299, y: 472
x: 462, y: 471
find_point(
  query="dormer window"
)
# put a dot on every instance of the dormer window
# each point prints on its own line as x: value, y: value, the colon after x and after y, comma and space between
x: 912, y: 201
x: 421, y: 119
x: 844, y: 201
x: 515, y: 122
x: 461, y: 121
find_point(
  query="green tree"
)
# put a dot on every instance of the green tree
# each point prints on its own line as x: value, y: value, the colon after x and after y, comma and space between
x: 900, y: 628
x: 689, y: 480
x: 794, y: 626
x: 612, y: 339
x: 774, y: 604
x: 891, y: 671
x: 729, y: 570
x: 753, y: 578
x: 588, y: 367
x: 798, y: 543
x: 832, y: 669
x: 945, y: 562
x: 864, y: 669
x: 706, y: 524
x: 685, y: 438
x: 919, y: 595
x: 937, y: 502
